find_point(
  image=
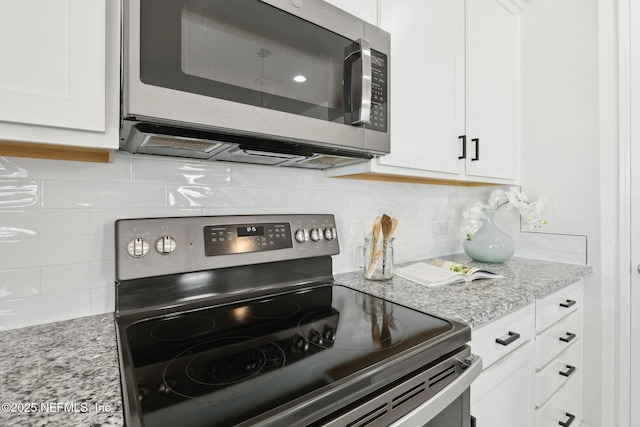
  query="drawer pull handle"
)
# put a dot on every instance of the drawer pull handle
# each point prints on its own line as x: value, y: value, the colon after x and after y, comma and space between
x: 569, y: 421
x: 570, y: 370
x: 567, y: 304
x: 570, y: 337
x: 512, y: 337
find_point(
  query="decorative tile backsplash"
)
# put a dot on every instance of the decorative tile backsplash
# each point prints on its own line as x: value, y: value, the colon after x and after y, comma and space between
x: 57, y: 220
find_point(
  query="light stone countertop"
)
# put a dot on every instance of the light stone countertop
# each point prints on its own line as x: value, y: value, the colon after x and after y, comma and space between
x: 61, y: 374
x: 480, y: 301
x: 67, y: 373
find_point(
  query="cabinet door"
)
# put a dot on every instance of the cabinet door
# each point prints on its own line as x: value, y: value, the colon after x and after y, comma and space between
x: 427, y: 83
x: 492, y: 98
x: 502, y: 395
x: 53, y: 71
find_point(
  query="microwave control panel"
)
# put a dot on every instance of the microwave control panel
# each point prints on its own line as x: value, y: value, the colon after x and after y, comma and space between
x: 379, y: 85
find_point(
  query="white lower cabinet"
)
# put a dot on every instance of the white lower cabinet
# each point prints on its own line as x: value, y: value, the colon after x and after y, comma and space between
x: 502, y: 395
x: 532, y: 364
x: 559, y: 358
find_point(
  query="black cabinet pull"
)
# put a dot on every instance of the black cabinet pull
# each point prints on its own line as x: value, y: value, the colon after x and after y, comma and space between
x: 569, y: 421
x: 473, y: 421
x: 477, y: 142
x: 512, y: 337
x: 567, y: 304
x: 570, y: 370
x: 464, y: 146
x: 568, y: 338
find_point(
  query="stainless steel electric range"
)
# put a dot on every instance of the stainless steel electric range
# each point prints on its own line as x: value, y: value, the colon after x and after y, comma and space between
x: 237, y: 320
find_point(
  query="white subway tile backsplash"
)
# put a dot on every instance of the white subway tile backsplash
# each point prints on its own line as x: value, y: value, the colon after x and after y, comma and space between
x: 51, y: 251
x: 77, y: 277
x: 23, y: 283
x: 32, y: 223
x: 57, y: 220
x: 70, y: 194
x: 195, y: 196
x: 15, y: 194
x: 103, y: 220
x: 176, y: 171
x: 44, y: 309
x: 103, y: 300
x: 268, y: 176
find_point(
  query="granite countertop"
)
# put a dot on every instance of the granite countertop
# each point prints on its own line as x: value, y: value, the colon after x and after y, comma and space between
x: 61, y: 374
x: 480, y: 301
x: 67, y: 373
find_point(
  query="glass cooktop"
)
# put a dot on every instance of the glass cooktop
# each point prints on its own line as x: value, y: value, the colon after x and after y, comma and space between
x: 227, y: 364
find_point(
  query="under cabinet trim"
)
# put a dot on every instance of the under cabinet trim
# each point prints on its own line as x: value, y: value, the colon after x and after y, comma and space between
x: 55, y: 152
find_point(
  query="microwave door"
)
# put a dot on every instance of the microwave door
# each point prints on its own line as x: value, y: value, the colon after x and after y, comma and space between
x: 357, y: 83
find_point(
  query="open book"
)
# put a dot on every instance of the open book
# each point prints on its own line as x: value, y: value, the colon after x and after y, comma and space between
x: 443, y: 273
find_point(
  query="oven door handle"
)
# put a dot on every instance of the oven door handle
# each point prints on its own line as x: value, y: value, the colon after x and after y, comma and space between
x: 429, y: 409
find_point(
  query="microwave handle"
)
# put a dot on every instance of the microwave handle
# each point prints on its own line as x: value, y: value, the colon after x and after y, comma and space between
x: 357, y: 114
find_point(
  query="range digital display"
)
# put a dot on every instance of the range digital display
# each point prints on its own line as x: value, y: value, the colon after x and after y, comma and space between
x: 244, y: 238
x: 250, y: 230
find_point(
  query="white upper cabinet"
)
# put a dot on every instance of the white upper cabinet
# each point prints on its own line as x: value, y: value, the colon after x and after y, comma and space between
x: 492, y: 102
x: 454, y: 91
x: 59, y: 78
x: 427, y: 84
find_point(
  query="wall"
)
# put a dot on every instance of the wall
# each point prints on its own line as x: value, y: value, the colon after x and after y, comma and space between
x: 57, y: 219
x: 561, y: 138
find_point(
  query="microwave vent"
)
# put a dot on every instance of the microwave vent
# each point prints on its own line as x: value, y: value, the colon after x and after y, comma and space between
x: 182, y: 144
x: 323, y: 161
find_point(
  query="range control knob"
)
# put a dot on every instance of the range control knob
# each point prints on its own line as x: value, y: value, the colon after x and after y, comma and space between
x: 165, y: 245
x: 138, y: 247
x: 328, y: 333
x: 329, y: 233
x: 315, y: 234
x: 302, y: 235
x: 316, y: 338
x: 300, y: 344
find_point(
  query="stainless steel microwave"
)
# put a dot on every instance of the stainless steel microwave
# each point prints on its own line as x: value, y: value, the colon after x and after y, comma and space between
x: 281, y: 82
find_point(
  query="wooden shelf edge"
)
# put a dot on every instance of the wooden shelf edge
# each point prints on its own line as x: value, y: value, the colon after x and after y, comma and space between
x: 55, y: 152
x: 371, y: 176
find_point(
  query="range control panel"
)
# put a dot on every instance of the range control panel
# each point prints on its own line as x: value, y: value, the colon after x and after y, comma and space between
x: 150, y: 247
x: 241, y: 238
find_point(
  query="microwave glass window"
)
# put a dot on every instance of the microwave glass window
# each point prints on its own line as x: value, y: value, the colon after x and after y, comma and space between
x: 244, y: 51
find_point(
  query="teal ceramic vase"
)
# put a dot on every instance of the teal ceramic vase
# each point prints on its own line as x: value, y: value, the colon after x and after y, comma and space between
x: 489, y: 243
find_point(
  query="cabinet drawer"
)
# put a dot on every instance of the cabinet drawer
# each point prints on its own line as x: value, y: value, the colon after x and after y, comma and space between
x: 513, y: 330
x: 558, y: 338
x: 559, y: 371
x: 559, y: 304
x: 565, y: 406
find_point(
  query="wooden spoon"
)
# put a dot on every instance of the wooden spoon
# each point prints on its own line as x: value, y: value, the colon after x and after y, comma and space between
x: 387, y: 224
x: 374, y: 254
x: 387, y: 232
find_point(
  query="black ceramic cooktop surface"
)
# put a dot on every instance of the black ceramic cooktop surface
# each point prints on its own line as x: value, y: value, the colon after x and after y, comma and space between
x: 226, y: 364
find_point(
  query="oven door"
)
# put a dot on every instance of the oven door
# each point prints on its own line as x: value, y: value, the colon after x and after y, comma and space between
x: 450, y: 407
x: 238, y: 65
